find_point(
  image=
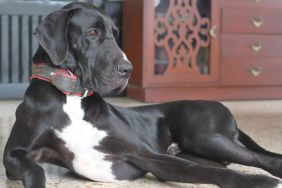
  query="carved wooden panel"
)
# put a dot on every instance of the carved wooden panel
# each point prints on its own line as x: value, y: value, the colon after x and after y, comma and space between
x: 181, y: 37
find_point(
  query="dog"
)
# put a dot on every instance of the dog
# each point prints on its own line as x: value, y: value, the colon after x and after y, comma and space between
x: 64, y: 121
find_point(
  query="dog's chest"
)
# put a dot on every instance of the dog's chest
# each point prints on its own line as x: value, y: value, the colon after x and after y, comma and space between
x: 80, y: 138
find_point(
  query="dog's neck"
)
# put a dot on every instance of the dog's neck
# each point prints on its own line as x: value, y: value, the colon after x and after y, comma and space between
x: 62, y: 79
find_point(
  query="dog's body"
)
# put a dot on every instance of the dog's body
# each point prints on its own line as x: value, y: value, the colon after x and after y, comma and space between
x: 183, y: 141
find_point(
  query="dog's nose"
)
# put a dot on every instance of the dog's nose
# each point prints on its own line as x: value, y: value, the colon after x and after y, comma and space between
x: 125, y: 69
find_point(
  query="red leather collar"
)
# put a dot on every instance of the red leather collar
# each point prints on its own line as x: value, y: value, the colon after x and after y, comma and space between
x: 63, y: 79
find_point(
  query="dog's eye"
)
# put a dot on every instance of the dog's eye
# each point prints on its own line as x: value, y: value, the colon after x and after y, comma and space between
x: 93, y: 32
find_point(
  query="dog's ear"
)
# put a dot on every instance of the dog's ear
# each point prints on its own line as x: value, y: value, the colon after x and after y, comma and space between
x: 52, y: 35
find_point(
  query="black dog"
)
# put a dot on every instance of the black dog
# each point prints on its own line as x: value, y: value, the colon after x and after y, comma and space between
x: 184, y: 141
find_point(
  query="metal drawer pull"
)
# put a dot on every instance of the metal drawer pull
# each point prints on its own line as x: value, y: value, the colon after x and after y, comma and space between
x: 257, y: 22
x: 256, y: 47
x: 213, y: 31
x: 255, y: 71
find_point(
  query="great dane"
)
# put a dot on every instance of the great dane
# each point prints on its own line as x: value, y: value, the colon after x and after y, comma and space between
x: 64, y: 121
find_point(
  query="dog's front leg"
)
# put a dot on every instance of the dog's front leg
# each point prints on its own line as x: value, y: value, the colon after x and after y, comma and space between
x: 20, y: 167
x: 169, y: 168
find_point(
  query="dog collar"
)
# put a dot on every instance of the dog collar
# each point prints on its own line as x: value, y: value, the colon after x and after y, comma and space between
x: 63, y: 79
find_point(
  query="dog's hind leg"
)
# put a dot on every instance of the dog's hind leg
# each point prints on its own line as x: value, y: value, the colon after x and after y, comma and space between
x: 201, y: 160
x: 169, y: 168
x: 252, y: 145
x: 218, y: 147
x: 175, y: 150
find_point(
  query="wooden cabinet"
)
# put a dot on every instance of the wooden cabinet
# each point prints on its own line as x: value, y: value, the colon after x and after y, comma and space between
x: 203, y: 49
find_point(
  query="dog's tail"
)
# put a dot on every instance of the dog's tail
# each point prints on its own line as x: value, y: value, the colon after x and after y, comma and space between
x: 252, y: 145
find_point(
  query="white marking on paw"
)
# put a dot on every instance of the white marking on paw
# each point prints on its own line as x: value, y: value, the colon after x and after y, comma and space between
x: 80, y: 138
x: 174, y: 149
x: 279, y: 185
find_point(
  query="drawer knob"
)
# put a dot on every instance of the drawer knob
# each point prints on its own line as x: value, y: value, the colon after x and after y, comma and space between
x: 256, y: 47
x: 258, y: 1
x: 255, y: 71
x: 257, y: 22
x: 213, y: 31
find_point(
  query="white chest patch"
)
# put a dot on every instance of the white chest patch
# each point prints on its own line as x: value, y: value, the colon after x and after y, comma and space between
x: 80, y: 138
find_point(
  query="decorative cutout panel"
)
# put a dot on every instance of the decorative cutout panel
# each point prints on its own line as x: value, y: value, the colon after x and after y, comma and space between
x: 181, y: 37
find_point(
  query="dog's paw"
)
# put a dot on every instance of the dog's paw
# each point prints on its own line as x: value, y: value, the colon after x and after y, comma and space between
x: 262, y: 181
x: 173, y: 149
x: 251, y: 181
x: 279, y: 185
x: 10, y: 177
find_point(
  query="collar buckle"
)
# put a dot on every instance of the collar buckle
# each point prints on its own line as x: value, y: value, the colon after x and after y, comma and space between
x: 85, y: 92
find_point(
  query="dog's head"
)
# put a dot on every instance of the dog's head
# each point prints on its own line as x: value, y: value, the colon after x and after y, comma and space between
x: 81, y: 38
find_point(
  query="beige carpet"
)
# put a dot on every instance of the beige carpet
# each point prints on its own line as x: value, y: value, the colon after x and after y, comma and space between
x: 260, y: 119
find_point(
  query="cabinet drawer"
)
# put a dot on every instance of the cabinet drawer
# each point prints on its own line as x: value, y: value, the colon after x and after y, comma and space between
x: 251, y: 46
x: 261, y: 21
x: 251, y: 72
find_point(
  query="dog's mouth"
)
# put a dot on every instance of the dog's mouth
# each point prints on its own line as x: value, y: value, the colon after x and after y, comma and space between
x: 121, y: 87
x: 118, y: 90
x: 105, y: 86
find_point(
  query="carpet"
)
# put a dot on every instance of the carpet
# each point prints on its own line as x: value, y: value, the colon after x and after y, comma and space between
x: 262, y: 120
